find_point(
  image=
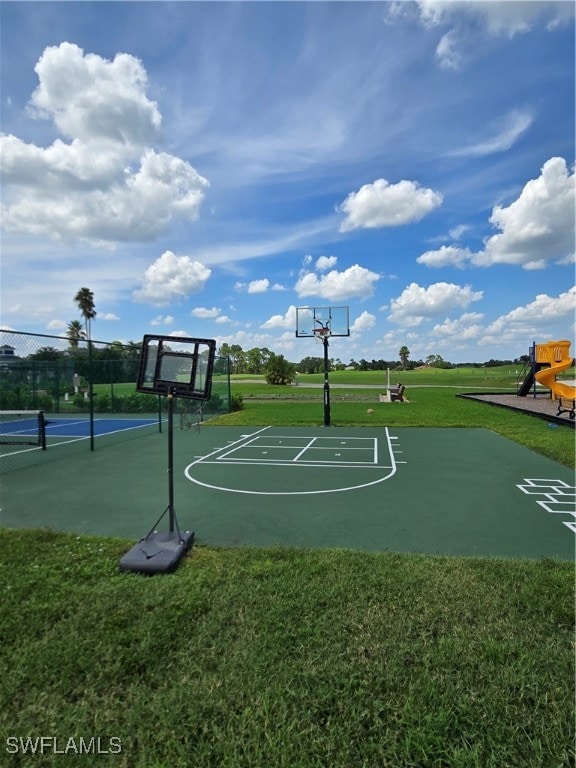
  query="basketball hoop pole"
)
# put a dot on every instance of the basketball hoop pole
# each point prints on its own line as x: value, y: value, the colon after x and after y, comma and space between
x: 326, y: 384
x: 170, y: 509
x: 320, y: 323
x: 171, y: 513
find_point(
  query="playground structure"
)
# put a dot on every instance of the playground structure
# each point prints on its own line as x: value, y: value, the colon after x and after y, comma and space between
x: 546, y: 362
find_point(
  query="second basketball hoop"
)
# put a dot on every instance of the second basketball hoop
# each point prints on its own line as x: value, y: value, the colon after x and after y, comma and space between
x: 321, y: 323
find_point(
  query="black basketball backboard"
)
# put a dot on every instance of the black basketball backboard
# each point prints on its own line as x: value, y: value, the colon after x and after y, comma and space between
x: 176, y: 365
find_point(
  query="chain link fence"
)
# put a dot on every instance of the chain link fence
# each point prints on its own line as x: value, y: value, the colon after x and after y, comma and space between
x: 90, y: 382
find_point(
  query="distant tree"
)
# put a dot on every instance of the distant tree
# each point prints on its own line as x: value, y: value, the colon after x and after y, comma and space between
x: 132, y: 349
x: 497, y: 363
x: 75, y: 333
x: 85, y: 301
x: 279, y: 371
x: 224, y: 350
x: 311, y: 365
x: 404, y: 354
x: 238, y: 357
x: 255, y: 359
x: 46, y: 353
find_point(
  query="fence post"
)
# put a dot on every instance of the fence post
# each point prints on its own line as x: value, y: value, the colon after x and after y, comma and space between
x: 91, y: 394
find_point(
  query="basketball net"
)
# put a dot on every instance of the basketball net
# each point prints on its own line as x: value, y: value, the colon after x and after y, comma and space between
x: 320, y: 334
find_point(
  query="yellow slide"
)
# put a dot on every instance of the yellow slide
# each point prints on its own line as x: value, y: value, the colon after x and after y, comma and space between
x: 555, y: 353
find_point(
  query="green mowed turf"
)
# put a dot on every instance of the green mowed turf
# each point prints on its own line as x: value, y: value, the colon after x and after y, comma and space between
x: 283, y: 658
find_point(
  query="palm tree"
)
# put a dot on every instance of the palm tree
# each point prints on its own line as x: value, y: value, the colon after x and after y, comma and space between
x: 85, y: 301
x: 75, y: 333
x: 404, y: 353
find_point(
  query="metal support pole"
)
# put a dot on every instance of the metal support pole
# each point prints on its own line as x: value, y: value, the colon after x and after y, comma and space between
x: 171, y: 461
x: 91, y: 393
x: 534, y: 368
x: 326, y: 384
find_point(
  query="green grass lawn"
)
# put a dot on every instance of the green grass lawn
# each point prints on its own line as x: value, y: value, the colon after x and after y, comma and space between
x: 287, y: 658
x: 428, y: 407
x: 499, y: 377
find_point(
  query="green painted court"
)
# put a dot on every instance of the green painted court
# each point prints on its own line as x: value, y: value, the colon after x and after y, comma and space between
x: 442, y: 491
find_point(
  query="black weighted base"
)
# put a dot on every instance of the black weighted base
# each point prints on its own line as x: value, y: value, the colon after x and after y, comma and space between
x: 159, y: 552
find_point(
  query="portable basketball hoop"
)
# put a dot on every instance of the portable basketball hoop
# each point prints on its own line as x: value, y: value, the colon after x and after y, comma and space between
x: 174, y: 367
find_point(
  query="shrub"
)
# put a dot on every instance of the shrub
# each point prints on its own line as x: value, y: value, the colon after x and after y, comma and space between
x: 237, y: 402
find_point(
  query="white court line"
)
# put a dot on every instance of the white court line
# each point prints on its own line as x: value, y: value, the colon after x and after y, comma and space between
x: 283, y: 463
x: 391, y: 471
x: 308, y: 447
x: 230, y: 445
x: 304, y: 449
x: 229, y: 458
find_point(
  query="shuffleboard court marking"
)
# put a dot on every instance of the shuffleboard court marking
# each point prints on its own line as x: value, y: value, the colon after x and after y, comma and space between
x: 225, y: 456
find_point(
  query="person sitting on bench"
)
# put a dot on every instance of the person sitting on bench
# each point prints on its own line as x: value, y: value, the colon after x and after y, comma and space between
x: 397, y: 393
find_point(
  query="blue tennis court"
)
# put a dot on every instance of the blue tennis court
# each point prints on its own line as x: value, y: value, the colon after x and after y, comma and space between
x: 27, y: 439
x: 78, y: 427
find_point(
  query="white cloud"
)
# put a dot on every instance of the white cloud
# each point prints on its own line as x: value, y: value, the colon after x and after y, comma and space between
x: 363, y: 322
x: 162, y: 320
x: 326, y: 262
x: 538, y: 227
x: 171, y: 278
x: 382, y: 204
x: 354, y: 282
x: 447, y: 51
x: 287, y: 320
x: 107, y: 316
x: 446, y: 256
x: 57, y: 325
x: 542, y: 311
x: 107, y: 184
x: 415, y: 303
x: 537, y: 320
x: 468, y: 19
x: 457, y: 231
x: 503, y: 18
x: 90, y: 98
x: 506, y: 131
x: 258, y: 286
x: 465, y: 328
x: 203, y: 313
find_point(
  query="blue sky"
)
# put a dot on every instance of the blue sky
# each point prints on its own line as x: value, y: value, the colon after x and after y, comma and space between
x: 207, y: 167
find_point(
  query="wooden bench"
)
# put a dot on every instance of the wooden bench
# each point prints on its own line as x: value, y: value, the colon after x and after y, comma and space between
x: 397, y: 393
x: 570, y: 410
